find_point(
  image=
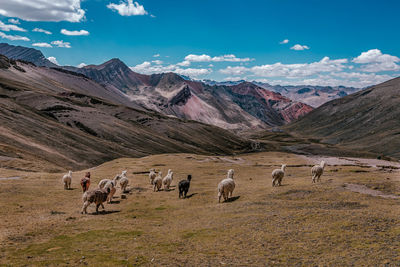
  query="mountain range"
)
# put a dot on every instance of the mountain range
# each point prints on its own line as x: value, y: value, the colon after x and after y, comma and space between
x: 363, y: 121
x: 240, y: 107
x: 58, y: 119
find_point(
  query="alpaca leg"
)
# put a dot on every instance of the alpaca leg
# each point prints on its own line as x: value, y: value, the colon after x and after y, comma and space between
x: 219, y: 197
x: 97, y: 208
x: 84, y: 207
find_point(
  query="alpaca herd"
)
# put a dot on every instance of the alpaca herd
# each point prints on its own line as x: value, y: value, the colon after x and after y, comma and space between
x: 108, y: 187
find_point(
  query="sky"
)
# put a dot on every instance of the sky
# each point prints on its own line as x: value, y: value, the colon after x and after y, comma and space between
x: 350, y: 43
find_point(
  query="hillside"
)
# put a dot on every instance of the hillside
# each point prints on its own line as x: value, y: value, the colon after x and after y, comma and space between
x: 52, y: 122
x: 365, y: 121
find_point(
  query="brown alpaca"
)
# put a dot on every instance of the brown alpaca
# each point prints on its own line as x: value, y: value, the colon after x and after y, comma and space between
x: 85, y: 182
x: 97, y: 196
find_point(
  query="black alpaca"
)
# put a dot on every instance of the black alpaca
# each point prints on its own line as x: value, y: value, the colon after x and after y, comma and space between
x: 184, y: 186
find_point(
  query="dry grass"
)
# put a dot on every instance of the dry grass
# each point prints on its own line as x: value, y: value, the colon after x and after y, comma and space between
x: 297, y: 224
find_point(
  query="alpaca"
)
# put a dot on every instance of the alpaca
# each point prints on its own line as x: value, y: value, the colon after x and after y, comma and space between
x: 317, y: 171
x: 97, y: 196
x: 112, y: 184
x: 168, y: 180
x: 85, y: 182
x: 157, y: 182
x: 123, y: 181
x: 226, y: 186
x: 184, y: 186
x: 277, y: 175
x: 67, y: 180
x: 152, y: 175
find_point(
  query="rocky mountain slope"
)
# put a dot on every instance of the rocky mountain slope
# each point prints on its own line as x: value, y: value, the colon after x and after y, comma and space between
x: 25, y: 53
x: 365, y: 121
x: 51, y: 118
x: 244, y: 106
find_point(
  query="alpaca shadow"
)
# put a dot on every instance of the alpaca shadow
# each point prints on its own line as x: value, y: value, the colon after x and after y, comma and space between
x: 189, y: 196
x: 105, y: 212
x: 115, y: 202
x: 167, y: 190
x: 231, y: 199
x: 71, y: 188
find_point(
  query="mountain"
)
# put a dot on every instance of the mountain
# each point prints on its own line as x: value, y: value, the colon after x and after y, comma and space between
x: 26, y: 54
x: 364, y: 121
x: 225, y: 106
x: 309, y: 94
x: 60, y: 119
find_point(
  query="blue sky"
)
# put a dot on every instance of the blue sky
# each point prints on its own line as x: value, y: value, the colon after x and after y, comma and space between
x: 353, y: 43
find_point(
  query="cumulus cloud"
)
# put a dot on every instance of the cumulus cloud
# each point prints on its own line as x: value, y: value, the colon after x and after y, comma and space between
x: 148, y: 68
x: 299, y: 47
x: 53, y: 60
x: 14, y: 21
x: 128, y: 8
x: 41, y: 30
x: 284, y: 41
x: 157, y: 62
x: 14, y: 37
x: 42, y: 45
x: 207, y: 58
x: 156, y: 55
x: 81, y: 65
x: 375, y: 61
x: 289, y: 70
x: 43, y: 10
x: 74, y: 33
x: 61, y: 43
x: 10, y: 27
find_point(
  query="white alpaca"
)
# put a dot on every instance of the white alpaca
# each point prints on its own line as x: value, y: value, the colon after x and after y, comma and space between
x: 277, y: 175
x: 317, y: 171
x: 67, y: 180
x: 157, y: 182
x: 112, y: 184
x: 226, y: 186
x: 123, y: 181
x: 168, y: 179
x: 152, y: 175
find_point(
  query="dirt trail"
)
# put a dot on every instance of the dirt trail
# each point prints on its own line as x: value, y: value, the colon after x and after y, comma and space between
x: 362, y: 189
x: 375, y: 163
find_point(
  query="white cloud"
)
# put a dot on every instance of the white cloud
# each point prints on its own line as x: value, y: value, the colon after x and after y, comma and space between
x: 374, y: 61
x: 41, y: 30
x: 53, y: 60
x: 10, y: 27
x: 289, y: 70
x: 207, y: 58
x: 284, y: 41
x: 14, y: 21
x: 147, y: 68
x: 156, y: 55
x: 14, y: 37
x: 43, y: 10
x: 184, y: 63
x: 74, y: 33
x: 128, y: 8
x: 157, y: 62
x: 299, y: 47
x: 61, y: 43
x: 42, y: 45
x: 81, y: 65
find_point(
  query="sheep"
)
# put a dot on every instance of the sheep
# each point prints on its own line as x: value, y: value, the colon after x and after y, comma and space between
x: 67, y: 178
x: 317, y: 171
x: 277, y: 175
x: 226, y: 186
x: 85, y: 182
x: 168, y: 180
x: 157, y: 182
x: 112, y: 184
x: 184, y: 186
x: 152, y: 175
x: 123, y: 181
x: 97, y: 196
